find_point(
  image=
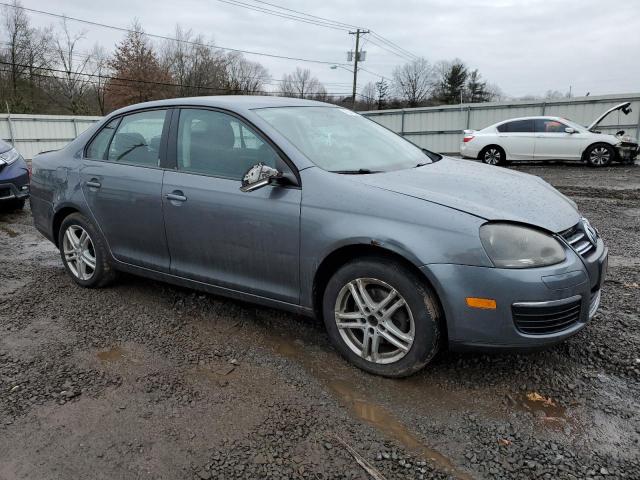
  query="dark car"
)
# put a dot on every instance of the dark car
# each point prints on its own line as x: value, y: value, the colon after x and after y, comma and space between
x: 313, y: 208
x: 14, y: 178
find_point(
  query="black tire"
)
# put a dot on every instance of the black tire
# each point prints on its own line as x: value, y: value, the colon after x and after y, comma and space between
x: 493, y: 155
x: 423, y: 307
x: 600, y: 155
x: 103, y: 273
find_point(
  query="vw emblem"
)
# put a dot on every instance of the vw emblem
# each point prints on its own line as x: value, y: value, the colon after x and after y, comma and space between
x: 590, y: 232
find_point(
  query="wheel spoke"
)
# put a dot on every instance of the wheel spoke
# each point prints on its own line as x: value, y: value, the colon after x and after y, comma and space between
x: 84, y: 238
x: 385, y: 301
x: 356, y: 298
x: 364, y: 295
x: 73, y: 240
x: 88, y: 260
x: 375, y: 347
x: 386, y: 315
x: 396, y: 337
x: 366, y: 344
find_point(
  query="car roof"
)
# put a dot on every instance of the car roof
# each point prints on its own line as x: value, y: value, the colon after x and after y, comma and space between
x: 529, y: 118
x: 229, y: 102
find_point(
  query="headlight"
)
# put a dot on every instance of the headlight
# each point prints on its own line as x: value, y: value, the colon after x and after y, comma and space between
x: 514, y: 246
x: 8, y: 157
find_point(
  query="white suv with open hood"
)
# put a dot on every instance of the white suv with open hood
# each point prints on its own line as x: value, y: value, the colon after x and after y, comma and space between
x: 549, y: 138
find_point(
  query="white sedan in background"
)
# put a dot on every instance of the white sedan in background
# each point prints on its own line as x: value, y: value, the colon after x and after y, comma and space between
x: 549, y: 138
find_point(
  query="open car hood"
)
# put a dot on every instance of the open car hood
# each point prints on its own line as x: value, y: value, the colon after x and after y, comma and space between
x: 625, y: 107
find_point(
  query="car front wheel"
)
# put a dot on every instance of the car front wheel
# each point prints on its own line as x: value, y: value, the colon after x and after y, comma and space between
x: 600, y: 155
x: 84, y: 253
x: 382, y: 317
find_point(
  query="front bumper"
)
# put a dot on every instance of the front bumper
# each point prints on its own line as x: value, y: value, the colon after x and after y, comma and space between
x: 628, y: 151
x: 573, y: 284
x: 14, y: 181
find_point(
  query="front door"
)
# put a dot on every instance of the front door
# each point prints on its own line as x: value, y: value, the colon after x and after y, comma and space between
x: 217, y: 234
x: 553, y: 143
x: 122, y: 184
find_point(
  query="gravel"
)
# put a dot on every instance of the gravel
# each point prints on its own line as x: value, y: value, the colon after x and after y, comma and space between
x: 147, y: 380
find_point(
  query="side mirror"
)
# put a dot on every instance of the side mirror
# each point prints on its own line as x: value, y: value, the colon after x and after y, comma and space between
x: 259, y: 176
x: 570, y: 130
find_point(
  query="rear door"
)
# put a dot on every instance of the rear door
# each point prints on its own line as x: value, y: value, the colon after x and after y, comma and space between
x: 517, y: 138
x: 553, y: 143
x: 122, y: 183
x: 246, y: 241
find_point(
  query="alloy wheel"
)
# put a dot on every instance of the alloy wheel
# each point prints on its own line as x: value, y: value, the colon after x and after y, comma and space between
x: 600, y: 156
x: 374, y: 320
x: 79, y: 252
x: 492, y: 156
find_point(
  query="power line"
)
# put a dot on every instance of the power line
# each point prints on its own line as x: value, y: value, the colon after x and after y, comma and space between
x: 393, y: 48
x: 163, y: 37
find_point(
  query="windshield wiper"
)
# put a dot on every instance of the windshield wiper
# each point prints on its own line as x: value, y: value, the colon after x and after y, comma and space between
x: 422, y: 164
x: 360, y: 171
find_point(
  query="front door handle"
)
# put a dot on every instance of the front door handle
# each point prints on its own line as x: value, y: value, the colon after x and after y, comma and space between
x: 176, y: 196
x: 94, y: 183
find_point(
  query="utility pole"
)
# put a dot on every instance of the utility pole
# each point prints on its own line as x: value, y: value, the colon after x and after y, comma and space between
x: 356, y: 57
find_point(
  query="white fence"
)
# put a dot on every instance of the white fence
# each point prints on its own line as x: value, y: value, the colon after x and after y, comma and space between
x: 32, y: 134
x: 440, y: 128
x: 435, y: 128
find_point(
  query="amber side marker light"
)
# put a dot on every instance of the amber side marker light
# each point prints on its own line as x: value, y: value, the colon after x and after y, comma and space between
x: 485, y: 303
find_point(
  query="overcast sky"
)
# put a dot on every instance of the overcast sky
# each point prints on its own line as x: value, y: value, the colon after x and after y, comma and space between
x: 523, y: 46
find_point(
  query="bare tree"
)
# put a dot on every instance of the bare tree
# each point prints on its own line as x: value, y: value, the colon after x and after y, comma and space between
x: 300, y: 84
x: 368, y: 95
x: 101, y: 77
x: 414, y: 81
x: 26, y: 51
x: 194, y: 64
x: 71, y: 87
x: 243, y: 76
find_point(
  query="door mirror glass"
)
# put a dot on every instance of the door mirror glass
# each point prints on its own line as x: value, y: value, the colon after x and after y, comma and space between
x: 570, y: 130
x: 259, y: 176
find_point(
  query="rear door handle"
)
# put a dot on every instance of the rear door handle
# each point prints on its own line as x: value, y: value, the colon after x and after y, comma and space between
x: 176, y: 196
x: 94, y: 183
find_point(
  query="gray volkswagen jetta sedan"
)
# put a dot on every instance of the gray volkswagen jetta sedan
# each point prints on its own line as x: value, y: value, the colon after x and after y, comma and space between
x: 312, y: 208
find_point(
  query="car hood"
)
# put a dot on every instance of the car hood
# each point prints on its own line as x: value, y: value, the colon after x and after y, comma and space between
x: 625, y: 107
x: 492, y: 193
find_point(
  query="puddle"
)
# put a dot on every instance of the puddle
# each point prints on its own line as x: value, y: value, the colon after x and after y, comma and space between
x: 114, y: 354
x: 361, y: 408
x: 384, y: 421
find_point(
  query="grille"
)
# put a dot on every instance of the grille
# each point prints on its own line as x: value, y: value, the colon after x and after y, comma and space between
x: 577, y: 238
x: 541, y: 319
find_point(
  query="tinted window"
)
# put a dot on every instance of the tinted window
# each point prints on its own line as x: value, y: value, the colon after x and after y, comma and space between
x: 516, y: 126
x: 550, y: 126
x: 214, y: 143
x: 137, y: 139
x: 97, y: 149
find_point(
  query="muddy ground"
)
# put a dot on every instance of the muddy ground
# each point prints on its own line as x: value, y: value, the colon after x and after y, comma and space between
x: 144, y: 380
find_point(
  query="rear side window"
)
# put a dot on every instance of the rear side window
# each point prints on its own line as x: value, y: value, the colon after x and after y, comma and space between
x: 217, y: 144
x: 516, y: 126
x: 137, y: 139
x: 97, y: 149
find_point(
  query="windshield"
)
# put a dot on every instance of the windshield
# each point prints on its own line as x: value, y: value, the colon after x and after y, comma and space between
x: 340, y: 140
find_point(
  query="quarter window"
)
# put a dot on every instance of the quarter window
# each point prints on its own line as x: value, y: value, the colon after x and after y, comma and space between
x: 97, y: 149
x: 517, y: 126
x: 218, y: 144
x: 137, y: 139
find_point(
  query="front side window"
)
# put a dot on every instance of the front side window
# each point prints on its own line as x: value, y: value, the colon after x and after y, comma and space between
x: 546, y: 125
x: 342, y: 141
x: 517, y: 126
x: 217, y: 144
x: 137, y: 139
x: 97, y: 149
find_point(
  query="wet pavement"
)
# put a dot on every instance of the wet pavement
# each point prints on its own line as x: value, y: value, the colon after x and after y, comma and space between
x: 145, y: 380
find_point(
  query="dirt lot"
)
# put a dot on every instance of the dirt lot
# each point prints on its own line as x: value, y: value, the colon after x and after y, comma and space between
x: 144, y: 380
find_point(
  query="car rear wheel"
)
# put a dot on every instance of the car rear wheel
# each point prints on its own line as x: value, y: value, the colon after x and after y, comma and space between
x: 382, y: 317
x: 493, y: 155
x: 83, y: 252
x: 600, y: 155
